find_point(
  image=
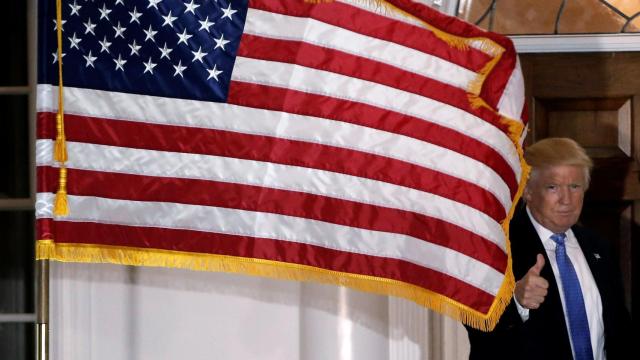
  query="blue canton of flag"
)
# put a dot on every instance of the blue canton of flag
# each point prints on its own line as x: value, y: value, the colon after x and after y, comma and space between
x: 170, y: 48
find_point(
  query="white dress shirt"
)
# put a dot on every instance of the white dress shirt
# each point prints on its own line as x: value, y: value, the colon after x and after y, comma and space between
x: 592, y: 301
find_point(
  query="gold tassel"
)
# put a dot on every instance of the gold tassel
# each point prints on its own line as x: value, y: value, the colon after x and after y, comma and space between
x: 60, y: 151
x: 61, y: 207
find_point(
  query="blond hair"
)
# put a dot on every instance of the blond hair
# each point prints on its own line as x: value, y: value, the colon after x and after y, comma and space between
x: 558, y: 151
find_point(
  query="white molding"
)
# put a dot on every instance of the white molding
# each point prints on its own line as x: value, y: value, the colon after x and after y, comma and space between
x: 576, y: 43
x: 18, y: 318
x: 17, y: 204
x: 14, y: 90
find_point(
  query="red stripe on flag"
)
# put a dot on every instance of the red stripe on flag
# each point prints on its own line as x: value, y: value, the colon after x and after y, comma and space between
x: 367, y: 23
x: 496, y: 81
x: 275, y: 250
x: 284, y: 202
x: 301, y: 103
x: 275, y: 150
x: 317, y: 57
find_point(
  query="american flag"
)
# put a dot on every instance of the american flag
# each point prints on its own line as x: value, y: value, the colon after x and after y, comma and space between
x: 352, y: 142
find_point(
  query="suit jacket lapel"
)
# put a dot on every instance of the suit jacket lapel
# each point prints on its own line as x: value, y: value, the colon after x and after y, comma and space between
x: 591, y: 254
x: 550, y: 315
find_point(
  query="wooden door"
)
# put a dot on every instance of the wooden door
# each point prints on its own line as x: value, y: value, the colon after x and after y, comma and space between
x: 594, y: 98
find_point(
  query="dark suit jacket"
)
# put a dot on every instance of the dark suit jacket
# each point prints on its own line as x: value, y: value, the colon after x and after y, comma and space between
x: 544, y: 335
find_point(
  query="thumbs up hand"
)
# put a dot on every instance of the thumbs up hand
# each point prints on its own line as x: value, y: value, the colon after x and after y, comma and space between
x: 531, y: 290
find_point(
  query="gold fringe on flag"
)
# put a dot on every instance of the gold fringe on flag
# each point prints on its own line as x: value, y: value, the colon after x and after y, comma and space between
x: 476, y: 101
x: 45, y: 249
x: 485, y: 45
x: 475, y: 85
x: 515, y: 133
x: 515, y: 129
x: 89, y: 253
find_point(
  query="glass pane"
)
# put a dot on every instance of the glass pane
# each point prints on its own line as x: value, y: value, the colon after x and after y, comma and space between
x: 13, y: 63
x: 16, y: 262
x: 17, y: 341
x: 14, y: 145
x: 528, y: 17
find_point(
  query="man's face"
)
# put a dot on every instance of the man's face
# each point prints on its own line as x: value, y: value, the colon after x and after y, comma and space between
x: 555, y: 196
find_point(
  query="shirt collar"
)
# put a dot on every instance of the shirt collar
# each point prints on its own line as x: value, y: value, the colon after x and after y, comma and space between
x: 545, y: 234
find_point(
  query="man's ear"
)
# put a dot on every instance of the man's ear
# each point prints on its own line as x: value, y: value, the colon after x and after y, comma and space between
x: 526, y: 194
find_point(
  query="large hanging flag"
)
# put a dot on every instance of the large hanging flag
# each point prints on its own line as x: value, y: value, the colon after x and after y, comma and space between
x: 371, y: 144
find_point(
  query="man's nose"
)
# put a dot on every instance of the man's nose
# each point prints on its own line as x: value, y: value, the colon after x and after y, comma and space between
x: 565, y: 195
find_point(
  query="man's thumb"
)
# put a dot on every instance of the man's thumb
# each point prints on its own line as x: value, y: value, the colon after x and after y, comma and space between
x: 539, y: 265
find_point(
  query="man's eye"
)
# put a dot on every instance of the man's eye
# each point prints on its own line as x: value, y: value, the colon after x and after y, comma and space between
x: 575, y: 186
x: 552, y: 187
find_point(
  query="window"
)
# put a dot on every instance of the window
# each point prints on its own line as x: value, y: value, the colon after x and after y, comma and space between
x: 17, y: 310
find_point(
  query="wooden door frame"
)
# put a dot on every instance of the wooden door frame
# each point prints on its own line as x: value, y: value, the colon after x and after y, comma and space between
x: 629, y: 255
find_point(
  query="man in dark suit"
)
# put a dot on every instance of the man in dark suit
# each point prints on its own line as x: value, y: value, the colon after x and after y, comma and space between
x: 568, y: 300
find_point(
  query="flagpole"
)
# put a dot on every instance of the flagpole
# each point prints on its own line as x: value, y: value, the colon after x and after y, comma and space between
x: 42, y: 312
x: 41, y: 266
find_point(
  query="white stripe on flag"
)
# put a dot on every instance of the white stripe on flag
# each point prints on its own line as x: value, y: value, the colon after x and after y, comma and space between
x: 215, y: 168
x: 150, y: 109
x: 399, y: 15
x: 279, y: 227
x: 512, y: 100
x: 344, y: 87
x: 314, y: 32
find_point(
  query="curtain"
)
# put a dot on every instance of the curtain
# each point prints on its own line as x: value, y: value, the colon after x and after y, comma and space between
x: 104, y: 311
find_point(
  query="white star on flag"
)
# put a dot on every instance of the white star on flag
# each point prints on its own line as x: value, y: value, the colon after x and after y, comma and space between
x: 165, y: 51
x: 119, y: 30
x: 75, y: 8
x: 74, y: 42
x: 105, y: 45
x: 204, y: 25
x: 184, y: 37
x: 89, y: 27
x: 120, y: 62
x: 90, y: 59
x: 168, y: 20
x: 154, y: 3
x: 55, y: 25
x: 213, y: 73
x: 104, y: 12
x: 191, y: 7
x: 55, y: 56
x: 135, y: 15
x: 198, y: 55
x: 179, y: 69
x: 134, y: 48
x: 148, y: 66
x: 228, y: 12
x: 150, y: 34
x: 221, y: 42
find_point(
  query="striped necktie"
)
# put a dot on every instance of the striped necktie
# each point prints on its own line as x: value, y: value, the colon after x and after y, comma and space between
x: 573, y: 301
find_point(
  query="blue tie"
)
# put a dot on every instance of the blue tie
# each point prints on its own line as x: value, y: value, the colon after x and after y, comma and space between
x: 574, y: 302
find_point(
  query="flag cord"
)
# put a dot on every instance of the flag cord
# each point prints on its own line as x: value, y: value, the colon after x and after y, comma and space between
x: 61, y: 207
